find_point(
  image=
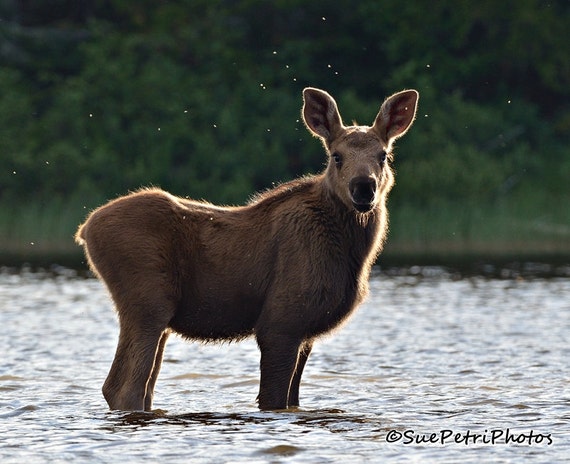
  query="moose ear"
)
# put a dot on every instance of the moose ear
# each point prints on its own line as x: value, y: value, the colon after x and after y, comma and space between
x: 320, y: 114
x: 396, y: 115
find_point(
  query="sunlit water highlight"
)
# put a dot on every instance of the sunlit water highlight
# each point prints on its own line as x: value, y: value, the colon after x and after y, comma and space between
x: 429, y: 351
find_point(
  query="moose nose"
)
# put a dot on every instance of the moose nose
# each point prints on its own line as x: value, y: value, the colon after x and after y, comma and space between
x: 362, y: 191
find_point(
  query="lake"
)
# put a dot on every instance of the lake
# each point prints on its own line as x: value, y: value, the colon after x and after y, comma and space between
x: 436, y: 366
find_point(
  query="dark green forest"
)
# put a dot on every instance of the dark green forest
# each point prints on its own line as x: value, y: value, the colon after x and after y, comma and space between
x: 203, y: 98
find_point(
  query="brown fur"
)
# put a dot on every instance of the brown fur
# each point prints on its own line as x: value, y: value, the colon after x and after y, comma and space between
x: 286, y: 268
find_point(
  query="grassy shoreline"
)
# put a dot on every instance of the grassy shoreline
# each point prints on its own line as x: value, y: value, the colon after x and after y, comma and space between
x: 467, y: 261
x: 451, y: 234
x: 491, y: 265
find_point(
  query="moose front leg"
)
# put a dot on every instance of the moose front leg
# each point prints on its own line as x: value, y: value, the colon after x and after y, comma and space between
x: 304, y: 353
x: 279, y: 355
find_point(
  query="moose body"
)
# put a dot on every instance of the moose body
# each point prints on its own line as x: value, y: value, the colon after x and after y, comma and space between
x: 286, y: 268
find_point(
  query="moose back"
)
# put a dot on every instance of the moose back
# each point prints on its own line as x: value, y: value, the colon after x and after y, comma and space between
x: 286, y: 268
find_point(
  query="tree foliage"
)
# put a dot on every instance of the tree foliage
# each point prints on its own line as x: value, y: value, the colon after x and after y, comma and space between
x: 203, y: 97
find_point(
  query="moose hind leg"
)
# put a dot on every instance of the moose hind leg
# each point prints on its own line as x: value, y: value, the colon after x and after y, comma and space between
x: 278, y: 363
x: 304, y: 353
x: 141, y: 343
x: 149, y: 395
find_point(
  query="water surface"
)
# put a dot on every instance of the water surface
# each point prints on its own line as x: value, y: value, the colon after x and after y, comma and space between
x: 478, y: 362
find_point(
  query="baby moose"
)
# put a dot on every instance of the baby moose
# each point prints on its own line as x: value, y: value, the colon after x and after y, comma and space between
x: 286, y: 268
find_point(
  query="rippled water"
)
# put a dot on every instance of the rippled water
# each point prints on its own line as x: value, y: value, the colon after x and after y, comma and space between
x: 432, y: 356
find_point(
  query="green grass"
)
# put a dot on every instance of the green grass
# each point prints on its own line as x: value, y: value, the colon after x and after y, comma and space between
x: 525, y: 227
x: 41, y: 231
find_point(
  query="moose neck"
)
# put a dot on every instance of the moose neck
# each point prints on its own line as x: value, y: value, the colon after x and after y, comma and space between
x: 364, y: 233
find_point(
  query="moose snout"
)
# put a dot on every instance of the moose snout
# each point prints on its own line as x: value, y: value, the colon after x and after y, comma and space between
x: 362, y: 192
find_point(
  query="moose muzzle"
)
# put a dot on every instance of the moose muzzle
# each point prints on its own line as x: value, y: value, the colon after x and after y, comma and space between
x: 363, y: 192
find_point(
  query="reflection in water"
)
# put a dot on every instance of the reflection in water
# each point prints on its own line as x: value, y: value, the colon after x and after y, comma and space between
x: 298, y: 417
x: 431, y: 351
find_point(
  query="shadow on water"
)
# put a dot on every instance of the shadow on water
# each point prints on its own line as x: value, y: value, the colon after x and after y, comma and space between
x: 333, y: 420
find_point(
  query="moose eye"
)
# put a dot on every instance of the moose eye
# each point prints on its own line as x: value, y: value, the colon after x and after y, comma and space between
x: 337, y: 159
x: 382, y: 157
